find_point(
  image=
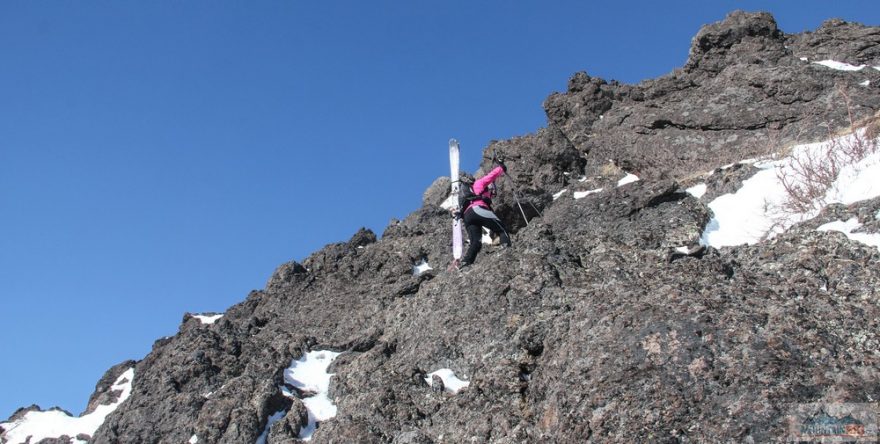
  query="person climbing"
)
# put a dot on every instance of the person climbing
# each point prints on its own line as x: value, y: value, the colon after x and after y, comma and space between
x: 479, y: 214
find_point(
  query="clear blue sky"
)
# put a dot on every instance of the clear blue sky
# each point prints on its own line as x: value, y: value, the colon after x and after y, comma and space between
x: 165, y: 156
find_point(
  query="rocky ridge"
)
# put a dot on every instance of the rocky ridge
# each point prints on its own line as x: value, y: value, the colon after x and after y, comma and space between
x: 588, y: 329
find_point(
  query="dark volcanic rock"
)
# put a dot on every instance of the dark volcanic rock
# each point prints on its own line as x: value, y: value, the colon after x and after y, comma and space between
x: 840, y: 41
x: 746, y: 89
x: 727, y: 180
x: 586, y: 329
x: 103, y: 393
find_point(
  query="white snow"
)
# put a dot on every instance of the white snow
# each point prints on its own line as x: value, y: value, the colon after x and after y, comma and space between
x: 451, y: 382
x: 486, y: 238
x: 309, y: 374
x: 583, y: 194
x: 683, y: 249
x: 55, y: 423
x: 872, y: 239
x: 865, y: 83
x: 755, y: 211
x: 194, y: 439
x: 272, y: 420
x: 804, y: 59
x: 559, y: 194
x: 421, y: 267
x: 840, y: 66
x: 629, y: 178
x: 208, y: 319
x: 449, y: 203
x: 697, y: 190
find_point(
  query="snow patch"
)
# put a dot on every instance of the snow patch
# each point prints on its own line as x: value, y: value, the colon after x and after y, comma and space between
x: 804, y: 59
x: 559, y: 194
x: 755, y: 212
x: 450, y: 382
x: 583, y: 194
x: 38, y: 426
x: 309, y: 375
x: 697, y: 190
x: 629, y: 178
x: 486, y: 238
x: 872, y: 239
x: 865, y: 83
x: 421, y: 267
x: 272, y: 420
x: 449, y: 203
x: 194, y: 439
x: 840, y: 66
x: 208, y: 319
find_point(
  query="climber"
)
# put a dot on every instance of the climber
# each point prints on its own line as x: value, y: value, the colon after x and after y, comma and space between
x: 478, y: 214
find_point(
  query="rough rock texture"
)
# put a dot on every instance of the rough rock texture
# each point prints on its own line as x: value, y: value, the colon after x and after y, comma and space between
x: 746, y: 89
x: 585, y: 330
x: 103, y: 394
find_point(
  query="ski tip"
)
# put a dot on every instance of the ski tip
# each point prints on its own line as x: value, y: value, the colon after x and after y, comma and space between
x: 453, y: 142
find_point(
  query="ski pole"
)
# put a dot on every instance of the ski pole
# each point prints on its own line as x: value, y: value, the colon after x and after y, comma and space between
x: 516, y: 198
x: 516, y: 192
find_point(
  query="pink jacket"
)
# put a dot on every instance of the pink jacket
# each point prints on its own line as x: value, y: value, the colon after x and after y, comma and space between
x: 480, y: 187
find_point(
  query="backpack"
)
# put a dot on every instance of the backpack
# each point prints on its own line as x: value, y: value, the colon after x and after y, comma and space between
x: 466, y: 195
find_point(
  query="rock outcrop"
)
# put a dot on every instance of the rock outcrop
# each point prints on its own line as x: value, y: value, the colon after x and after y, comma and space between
x: 585, y: 330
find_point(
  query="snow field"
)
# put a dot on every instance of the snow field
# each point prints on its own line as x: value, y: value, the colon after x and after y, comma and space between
x: 37, y: 426
x: 309, y: 375
x: 756, y: 211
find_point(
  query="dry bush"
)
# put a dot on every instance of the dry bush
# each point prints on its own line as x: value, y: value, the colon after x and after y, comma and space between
x: 610, y: 170
x: 872, y: 128
x: 811, y: 173
x: 808, y: 178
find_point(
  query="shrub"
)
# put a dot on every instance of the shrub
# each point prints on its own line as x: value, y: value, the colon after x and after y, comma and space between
x: 812, y: 170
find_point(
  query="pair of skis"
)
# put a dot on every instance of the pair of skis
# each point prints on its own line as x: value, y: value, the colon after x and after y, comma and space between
x: 456, y: 184
x: 456, y: 220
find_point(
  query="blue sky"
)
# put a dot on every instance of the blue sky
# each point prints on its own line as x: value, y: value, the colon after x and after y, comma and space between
x: 163, y: 157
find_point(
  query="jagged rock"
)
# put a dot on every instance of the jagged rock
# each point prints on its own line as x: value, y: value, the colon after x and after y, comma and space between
x: 742, y: 37
x: 437, y: 192
x: 362, y: 238
x: 727, y: 180
x: 103, y: 393
x: 742, y: 94
x: 287, y: 274
x: 64, y: 439
x: 586, y: 329
x: 287, y: 429
x: 840, y: 41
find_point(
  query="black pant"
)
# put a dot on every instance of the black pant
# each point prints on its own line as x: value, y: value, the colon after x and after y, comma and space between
x: 475, y: 218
